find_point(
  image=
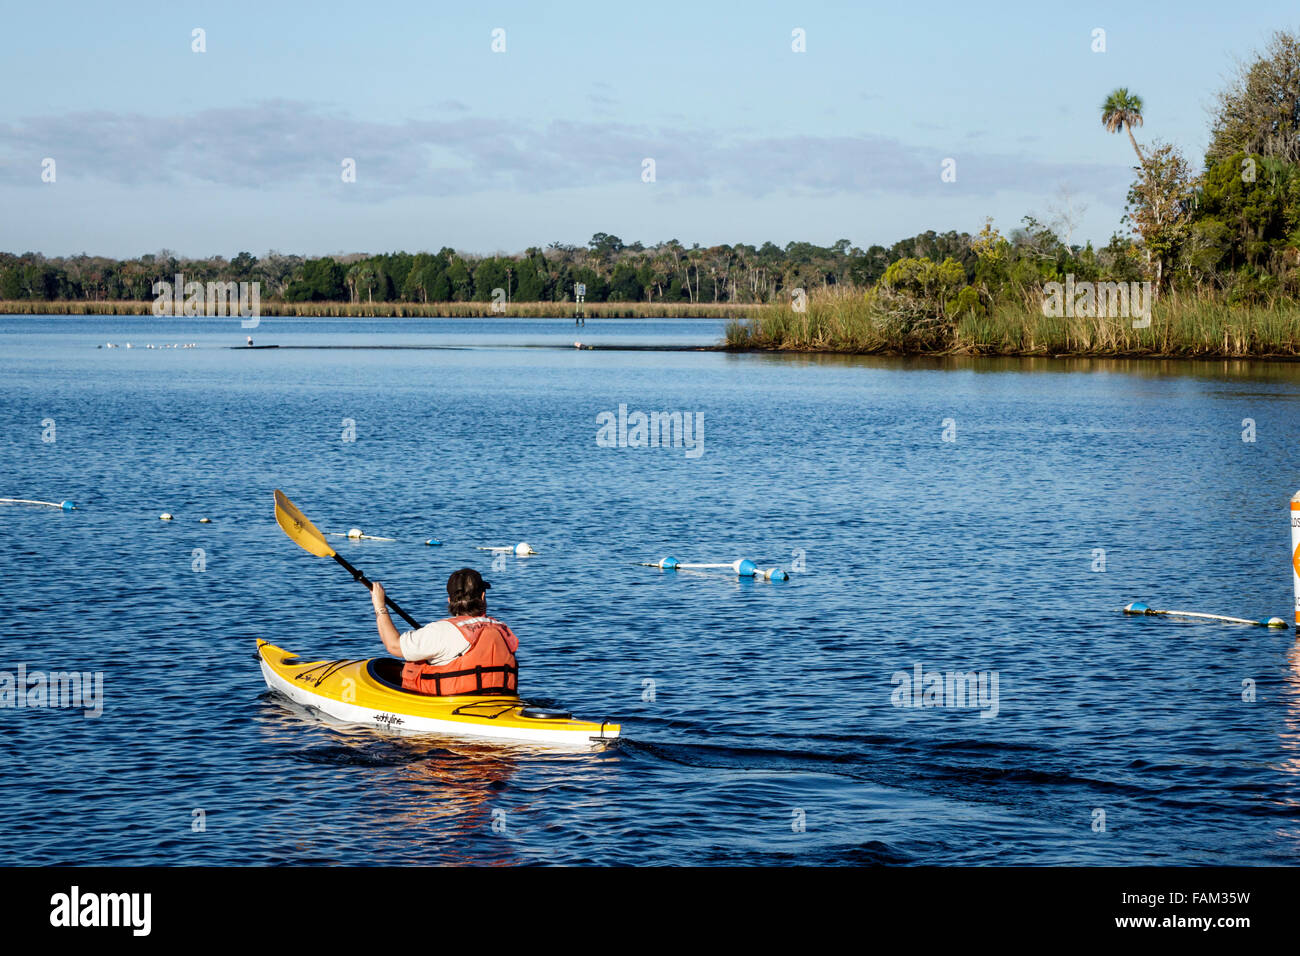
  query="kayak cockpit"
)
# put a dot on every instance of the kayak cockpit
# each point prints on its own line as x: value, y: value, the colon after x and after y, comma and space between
x: 388, y: 672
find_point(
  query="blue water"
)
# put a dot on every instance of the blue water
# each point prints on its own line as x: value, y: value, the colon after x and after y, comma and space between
x: 770, y: 700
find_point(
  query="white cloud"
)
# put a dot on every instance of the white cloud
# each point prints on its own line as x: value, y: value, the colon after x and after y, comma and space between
x: 278, y: 144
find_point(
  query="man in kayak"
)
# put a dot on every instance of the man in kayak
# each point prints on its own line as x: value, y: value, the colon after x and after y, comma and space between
x: 465, y: 653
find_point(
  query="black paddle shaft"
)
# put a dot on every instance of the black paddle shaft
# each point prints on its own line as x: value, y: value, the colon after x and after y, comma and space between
x: 370, y: 587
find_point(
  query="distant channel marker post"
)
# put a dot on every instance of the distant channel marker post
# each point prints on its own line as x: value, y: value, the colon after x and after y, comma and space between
x: 1295, y: 553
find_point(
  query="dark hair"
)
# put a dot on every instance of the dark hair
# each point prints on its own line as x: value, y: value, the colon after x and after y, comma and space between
x: 466, y: 592
x: 467, y: 605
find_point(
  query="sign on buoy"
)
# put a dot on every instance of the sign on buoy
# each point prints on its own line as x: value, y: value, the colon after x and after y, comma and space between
x: 1295, y: 552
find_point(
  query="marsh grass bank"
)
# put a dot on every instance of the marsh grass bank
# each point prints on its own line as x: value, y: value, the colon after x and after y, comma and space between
x: 853, y: 321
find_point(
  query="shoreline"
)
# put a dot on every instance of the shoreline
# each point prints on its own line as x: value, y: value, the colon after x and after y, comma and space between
x: 749, y: 335
x: 399, y: 310
x: 1279, y: 359
x: 1130, y: 356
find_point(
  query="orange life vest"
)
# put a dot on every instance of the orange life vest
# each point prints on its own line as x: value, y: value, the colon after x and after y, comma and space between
x: 488, y: 667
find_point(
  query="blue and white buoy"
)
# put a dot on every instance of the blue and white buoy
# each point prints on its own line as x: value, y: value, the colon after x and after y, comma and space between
x: 65, y: 505
x: 743, y: 567
x: 1138, y: 607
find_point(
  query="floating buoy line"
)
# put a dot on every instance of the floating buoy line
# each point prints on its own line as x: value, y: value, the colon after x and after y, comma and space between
x: 62, y: 505
x: 743, y: 568
x: 1139, y: 608
x: 521, y: 550
x: 174, y: 345
x: 354, y: 534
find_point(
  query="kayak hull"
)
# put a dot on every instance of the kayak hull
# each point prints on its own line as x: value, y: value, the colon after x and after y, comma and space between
x: 367, y: 692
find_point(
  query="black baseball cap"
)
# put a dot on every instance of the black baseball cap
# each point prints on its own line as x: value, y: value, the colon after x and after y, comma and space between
x: 466, y: 583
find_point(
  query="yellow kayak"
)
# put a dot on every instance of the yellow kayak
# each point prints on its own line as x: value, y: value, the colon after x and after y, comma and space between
x: 370, y: 692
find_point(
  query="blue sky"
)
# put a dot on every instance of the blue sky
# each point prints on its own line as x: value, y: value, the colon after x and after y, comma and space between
x: 241, y: 147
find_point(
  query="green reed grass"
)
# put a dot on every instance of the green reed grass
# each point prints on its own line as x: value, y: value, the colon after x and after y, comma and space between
x: 844, y: 320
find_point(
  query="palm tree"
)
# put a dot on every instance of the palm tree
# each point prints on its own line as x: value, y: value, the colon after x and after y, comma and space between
x: 1123, y: 110
x: 350, y: 280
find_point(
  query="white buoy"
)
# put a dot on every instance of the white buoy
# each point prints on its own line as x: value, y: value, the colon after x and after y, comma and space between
x: 205, y: 521
x: 356, y: 534
x: 165, y: 516
x: 523, y: 549
x: 1295, y: 552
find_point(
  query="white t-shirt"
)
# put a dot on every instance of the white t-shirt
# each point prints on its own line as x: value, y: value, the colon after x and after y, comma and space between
x: 437, y: 643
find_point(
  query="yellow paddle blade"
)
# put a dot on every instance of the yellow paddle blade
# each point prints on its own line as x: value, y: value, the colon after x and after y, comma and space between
x: 300, y: 531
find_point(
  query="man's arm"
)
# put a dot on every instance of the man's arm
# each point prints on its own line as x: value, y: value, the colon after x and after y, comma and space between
x: 387, y: 630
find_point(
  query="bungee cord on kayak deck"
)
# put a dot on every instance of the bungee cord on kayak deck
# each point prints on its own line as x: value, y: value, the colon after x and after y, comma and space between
x: 329, y: 669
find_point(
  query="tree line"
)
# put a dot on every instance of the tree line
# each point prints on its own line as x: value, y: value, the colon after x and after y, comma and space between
x: 611, y: 271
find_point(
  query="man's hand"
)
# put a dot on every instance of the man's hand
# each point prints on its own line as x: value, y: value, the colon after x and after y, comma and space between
x: 387, y: 632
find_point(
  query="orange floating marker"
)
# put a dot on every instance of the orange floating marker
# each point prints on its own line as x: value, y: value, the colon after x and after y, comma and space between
x: 1295, y: 552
